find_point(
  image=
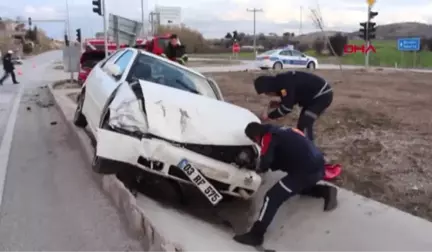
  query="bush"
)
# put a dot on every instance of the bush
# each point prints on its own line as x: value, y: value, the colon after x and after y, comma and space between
x: 192, y: 39
x: 424, y: 43
x: 27, y: 48
x: 337, y: 42
x: 302, y: 47
x: 318, y: 46
x: 429, y: 44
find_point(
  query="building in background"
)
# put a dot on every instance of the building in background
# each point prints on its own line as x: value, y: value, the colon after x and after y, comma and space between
x: 168, y: 15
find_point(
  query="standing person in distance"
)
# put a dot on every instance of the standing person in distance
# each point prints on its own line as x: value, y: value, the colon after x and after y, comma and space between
x: 311, y: 92
x: 174, y: 51
x: 9, y: 68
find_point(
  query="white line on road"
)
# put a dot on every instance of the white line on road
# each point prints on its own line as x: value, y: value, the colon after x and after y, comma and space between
x: 6, y: 144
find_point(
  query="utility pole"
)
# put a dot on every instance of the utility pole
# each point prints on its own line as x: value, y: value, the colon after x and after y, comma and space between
x: 154, y: 22
x: 254, y: 10
x: 105, y: 27
x: 142, y: 19
x: 301, y: 20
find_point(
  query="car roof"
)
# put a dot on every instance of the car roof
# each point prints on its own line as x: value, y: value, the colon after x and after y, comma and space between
x: 168, y: 61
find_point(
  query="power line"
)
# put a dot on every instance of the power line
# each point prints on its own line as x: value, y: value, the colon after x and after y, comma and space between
x: 254, y: 10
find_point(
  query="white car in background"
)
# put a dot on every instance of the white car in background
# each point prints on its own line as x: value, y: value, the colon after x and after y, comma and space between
x: 285, y: 58
x: 164, y: 118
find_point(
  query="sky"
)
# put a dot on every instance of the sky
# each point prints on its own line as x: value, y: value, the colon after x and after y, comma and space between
x: 214, y: 18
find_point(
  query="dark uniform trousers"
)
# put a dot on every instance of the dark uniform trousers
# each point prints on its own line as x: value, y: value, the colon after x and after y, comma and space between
x: 288, y: 186
x: 6, y: 74
x: 309, y: 114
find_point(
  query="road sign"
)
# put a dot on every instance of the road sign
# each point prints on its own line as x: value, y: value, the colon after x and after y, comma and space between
x: 370, y: 2
x: 408, y: 44
x: 123, y: 30
x: 71, y: 58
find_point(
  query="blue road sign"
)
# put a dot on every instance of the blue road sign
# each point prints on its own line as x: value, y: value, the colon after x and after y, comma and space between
x: 408, y: 44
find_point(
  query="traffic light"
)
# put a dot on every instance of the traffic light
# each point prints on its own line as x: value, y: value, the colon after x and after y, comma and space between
x: 97, y: 7
x: 363, y: 30
x: 371, y: 30
x: 66, y: 40
x: 372, y: 14
x: 78, y: 35
x: 29, y: 21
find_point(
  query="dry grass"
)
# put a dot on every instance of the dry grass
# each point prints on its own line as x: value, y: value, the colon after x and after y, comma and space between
x: 379, y: 128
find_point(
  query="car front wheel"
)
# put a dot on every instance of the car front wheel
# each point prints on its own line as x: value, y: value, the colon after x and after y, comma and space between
x: 311, y: 65
x: 79, y: 118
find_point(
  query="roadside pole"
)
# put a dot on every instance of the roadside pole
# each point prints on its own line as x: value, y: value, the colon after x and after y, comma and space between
x: 70, y: 37
x: 367, y: 36
x: 105, y: 27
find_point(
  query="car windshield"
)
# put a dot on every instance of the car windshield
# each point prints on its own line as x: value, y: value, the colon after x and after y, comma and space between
x: 269, y: 52
x: 152, y: 69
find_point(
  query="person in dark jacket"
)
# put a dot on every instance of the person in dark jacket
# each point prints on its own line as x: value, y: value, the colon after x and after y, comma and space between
x: 287, y: 150
x: 174, y: 51
x: 309, y: 91
x: 8, y: 67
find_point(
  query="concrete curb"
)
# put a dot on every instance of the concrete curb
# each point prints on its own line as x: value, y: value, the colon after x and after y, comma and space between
x: 151, y: 239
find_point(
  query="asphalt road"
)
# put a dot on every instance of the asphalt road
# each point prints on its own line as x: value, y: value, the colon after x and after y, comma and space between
x: 50, y: 200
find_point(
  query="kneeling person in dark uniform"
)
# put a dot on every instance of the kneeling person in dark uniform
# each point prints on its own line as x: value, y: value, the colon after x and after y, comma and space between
x: 288, y: 150
x: 310, y: 91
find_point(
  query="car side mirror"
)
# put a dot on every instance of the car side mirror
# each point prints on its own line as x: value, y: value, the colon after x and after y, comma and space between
x: 303, y: 56
x: 113, y: 70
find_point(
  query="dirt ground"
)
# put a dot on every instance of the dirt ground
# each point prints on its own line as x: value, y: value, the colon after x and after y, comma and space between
x: 201, y: 63
x: 379, y: 128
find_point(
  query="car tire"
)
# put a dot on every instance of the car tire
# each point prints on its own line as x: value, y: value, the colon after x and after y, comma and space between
x: 277, y: 66
x: 79, y: 119
x: 311, y: 65
x: 102, y: 165
x: 264, y: 68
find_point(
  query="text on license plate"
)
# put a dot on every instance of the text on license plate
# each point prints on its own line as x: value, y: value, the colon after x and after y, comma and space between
x: 200, y: 181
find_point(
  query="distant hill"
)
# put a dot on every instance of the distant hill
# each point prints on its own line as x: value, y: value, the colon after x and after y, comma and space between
x: 384, y: 32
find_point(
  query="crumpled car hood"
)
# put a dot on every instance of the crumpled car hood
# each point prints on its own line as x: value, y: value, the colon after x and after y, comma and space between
x: 189, y: 118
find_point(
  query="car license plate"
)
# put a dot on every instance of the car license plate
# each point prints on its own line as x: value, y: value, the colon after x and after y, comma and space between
x: 200, y: 181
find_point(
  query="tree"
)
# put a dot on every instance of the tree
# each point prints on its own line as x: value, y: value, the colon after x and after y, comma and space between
x: 35, y: 34
x: 318, y: 46
x: 228, y: 36
x: 235, y: 35
x: 337, y: 42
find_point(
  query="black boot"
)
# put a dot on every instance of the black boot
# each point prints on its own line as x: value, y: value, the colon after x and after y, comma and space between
x: 330, y: 198
x: 255, y: 237
x: 328, y: 193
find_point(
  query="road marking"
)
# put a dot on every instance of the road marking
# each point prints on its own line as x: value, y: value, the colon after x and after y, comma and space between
x: 6, y: 144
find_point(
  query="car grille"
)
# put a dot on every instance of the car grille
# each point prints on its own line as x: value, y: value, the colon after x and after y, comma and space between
x: 226, y: 154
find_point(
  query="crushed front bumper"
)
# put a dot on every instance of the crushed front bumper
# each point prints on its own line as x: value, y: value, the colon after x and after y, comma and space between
x: 160, y: 157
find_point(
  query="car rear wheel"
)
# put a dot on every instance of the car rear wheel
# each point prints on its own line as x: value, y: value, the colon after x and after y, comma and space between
x: 277, y: 66
x: 311, y: 65
x: 79, y: 119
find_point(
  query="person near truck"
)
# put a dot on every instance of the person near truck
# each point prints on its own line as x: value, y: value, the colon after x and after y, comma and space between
x: 287, y: 150
x: 311, y: 92
x: 174, y: 51
x: 8, y: 67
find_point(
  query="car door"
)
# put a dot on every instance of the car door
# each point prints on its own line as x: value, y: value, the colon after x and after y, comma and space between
x: 299, y: 60
x: 286, y: 58
x: 102, y: 87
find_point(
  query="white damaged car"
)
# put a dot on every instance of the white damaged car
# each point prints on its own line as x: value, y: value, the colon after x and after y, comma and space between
x: 167, y: 119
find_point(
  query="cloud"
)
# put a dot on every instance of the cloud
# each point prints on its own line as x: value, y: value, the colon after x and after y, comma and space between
x: 216, y: 17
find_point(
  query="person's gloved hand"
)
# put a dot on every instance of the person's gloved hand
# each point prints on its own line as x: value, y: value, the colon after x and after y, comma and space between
x: 274, y: 104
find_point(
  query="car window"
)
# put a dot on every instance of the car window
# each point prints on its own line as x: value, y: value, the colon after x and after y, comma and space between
x: 268, y: 52
x: 124, y: 59
x: 285, y: 53
x: 152, y: 69
x: 296, y: 53
x: 112, y: 57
